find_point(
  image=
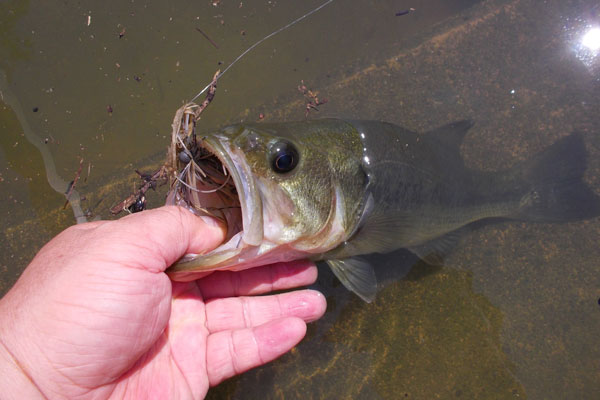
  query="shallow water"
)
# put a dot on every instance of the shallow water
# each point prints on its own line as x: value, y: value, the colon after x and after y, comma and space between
x: 513, y: 313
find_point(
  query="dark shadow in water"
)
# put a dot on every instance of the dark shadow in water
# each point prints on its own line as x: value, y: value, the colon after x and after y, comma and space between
x: 426, y: 333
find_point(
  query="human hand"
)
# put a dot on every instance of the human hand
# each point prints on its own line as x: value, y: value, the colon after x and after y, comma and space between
x: 95, y: 316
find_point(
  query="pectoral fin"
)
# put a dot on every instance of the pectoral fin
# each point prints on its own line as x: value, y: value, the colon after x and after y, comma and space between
x: 356, y: 275
x: 377, y: 232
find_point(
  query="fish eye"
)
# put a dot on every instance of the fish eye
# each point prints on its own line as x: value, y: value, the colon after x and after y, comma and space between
x: 284, y: 157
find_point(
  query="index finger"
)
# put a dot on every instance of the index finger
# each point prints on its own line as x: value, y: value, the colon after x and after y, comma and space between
x: 258, y: 280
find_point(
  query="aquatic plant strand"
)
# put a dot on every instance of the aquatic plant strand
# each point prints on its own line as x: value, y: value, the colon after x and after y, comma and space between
x: 54, y: 180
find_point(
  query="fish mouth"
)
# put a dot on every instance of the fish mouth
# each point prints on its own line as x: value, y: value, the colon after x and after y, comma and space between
x: 215, y: 180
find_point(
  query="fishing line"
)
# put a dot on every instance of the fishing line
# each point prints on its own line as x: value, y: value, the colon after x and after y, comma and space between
x: 283, y: 28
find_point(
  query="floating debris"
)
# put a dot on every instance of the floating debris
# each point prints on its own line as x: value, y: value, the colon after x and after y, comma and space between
x: 312, y: 101
x: 404, y: 12
x: 207, y: 38
x: 72, y: 184
x: 183, y: 123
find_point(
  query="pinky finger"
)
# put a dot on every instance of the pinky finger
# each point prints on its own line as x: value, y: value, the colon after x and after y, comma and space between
x: 229, y: 353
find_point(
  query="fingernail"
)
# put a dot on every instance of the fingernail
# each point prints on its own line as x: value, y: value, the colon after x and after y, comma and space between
x: 310, y: 305
x: 212, y: 221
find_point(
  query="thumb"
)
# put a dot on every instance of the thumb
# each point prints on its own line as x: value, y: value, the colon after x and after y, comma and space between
x: 170, y: 232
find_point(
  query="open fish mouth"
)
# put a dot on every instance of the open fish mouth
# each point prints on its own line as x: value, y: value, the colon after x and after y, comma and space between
x: 212, y: 179
x: 205, y: 186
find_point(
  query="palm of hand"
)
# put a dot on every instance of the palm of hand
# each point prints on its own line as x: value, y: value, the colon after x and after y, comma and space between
x: 107, y: 324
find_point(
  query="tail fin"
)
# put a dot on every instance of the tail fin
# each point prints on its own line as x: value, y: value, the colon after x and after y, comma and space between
x: 556, y: 191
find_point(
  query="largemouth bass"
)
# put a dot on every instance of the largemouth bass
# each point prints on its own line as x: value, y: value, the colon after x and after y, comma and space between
x: 334, y: 190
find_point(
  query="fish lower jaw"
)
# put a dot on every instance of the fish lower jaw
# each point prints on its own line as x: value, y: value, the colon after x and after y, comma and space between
x: 233, y: 259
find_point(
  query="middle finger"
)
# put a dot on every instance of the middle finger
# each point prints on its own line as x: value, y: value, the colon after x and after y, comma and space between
x: 245, y: 312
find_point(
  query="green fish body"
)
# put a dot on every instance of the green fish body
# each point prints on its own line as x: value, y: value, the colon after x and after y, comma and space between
x: 334, y: 190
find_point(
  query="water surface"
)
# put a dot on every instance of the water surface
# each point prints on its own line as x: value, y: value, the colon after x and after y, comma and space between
x: 513, y: 312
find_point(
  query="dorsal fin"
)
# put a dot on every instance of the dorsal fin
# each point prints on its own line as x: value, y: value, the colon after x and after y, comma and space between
x: 451, y: 134
x: 446, y: 140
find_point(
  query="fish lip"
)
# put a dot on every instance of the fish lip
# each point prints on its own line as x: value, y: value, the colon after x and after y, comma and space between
x: 245, y: 242
x: 243, y: 179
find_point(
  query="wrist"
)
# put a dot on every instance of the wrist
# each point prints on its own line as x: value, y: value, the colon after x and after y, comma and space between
x: 15, y: 383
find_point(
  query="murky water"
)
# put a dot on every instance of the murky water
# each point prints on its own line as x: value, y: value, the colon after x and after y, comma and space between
x: 513, y: 313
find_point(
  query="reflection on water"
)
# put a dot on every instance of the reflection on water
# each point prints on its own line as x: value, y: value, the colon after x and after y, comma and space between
x: 514, y: 311
x: 591, y: 39
x: 583, y: 35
